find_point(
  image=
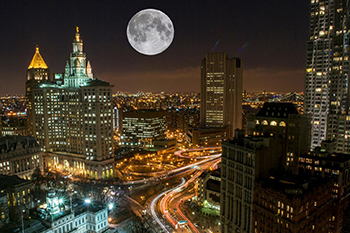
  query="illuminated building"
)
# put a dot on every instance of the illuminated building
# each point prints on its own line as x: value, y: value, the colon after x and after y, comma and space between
x: 20, y: 156
x: 206, y: 136
x: 221, y: 92
x: 283, y: 120
x: 16, y: 125
x: 37, y: 72
x: 18, y: 191
x: 59, y: 216
x: 327, y: 83
x: 209, y: 189
x: 292, y: 205
x: 244, y: 159
x: 73, y: 119
x: 141, y: 127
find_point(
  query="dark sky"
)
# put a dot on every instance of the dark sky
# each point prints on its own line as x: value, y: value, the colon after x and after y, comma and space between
x: 274, y: 33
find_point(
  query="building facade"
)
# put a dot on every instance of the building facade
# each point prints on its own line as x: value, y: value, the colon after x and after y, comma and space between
x: 284, y: 121
x: 20, y: 156
x: 37, y: 72
x: 244, y: 159
x: 73, y: 118
x: 324, y: 162
x: 291, y: 205
x: 327, y: 69
x: 18, y: 193
x: 209, y: 189
x: 141, y: 127
x: 221, y: 92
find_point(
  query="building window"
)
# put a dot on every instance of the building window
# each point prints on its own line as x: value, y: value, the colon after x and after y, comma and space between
x: 273, y: 123
x: 282, y: 123
x: 264, y: 122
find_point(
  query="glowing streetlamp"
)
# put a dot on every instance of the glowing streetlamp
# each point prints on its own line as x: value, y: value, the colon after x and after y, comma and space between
x: 88, y: 201
x: 110, y: 206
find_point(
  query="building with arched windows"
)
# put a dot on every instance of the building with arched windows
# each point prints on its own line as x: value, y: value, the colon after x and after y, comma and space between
x: 283, y: 120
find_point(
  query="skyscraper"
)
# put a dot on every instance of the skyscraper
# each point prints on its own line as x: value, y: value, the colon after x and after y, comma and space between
x: 38, y: 72
x: 72, y: 118
x: 221, y: 92
x: 327, y: 83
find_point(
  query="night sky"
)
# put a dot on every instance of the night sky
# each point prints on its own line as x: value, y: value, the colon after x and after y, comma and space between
x: 269, y: 35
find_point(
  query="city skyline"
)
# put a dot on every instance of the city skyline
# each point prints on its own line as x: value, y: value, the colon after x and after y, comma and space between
x: 243, y: 32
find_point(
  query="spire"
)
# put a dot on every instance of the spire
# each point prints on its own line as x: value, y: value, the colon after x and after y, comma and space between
x: 37, y: 61
x: 77, y: 35
x: 88, y: 65
x: 67, y: 64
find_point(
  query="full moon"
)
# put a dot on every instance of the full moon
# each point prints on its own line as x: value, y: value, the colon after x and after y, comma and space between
x: 150, y: 32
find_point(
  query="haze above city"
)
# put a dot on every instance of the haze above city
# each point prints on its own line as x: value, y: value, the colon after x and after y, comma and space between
x: 269, y: 36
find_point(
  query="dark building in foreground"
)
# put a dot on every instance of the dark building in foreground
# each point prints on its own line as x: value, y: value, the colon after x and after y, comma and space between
x: 245, y: 159
x: 284, y: 121
x: 326, y: 163
x: 293, y: 205
x: 15, y: 196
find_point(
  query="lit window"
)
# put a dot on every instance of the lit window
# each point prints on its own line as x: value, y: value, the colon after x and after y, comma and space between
x: 265, y: 122
x: 273, y: 123
x: 282, y: 123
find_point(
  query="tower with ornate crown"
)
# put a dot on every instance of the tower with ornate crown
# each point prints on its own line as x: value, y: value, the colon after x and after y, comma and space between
x: 72, y: 118
x: 78, y: 70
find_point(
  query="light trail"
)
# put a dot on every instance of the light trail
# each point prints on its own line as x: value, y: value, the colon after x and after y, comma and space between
x: 184, y: 217
x: 154, y: 203
x: 167, y: 198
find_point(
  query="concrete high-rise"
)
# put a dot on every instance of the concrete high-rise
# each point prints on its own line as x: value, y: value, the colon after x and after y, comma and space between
x: 327, y: 68
x: 221, y: 92
x: 73, y: 119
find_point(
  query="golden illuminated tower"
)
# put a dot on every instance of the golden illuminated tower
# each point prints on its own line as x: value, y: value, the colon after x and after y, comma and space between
x: 37, y: 72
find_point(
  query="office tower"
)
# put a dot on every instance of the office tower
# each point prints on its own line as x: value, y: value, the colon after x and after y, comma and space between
x: 73, y: 119
x: 244, y: 160
x: 37, y: 72
x: 327, y: 84
x: 221, y: 92
x: 284, y: 121
x: 142, y: 127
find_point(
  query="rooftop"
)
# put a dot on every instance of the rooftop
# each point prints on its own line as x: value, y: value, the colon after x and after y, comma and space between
x: 37, y: 61
x: 9, y: 142
x: 278, y: 110
x: 10, y: 181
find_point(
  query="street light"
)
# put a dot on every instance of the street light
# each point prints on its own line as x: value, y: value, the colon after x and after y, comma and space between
x: 88, y: 201
x: 110, y: 206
